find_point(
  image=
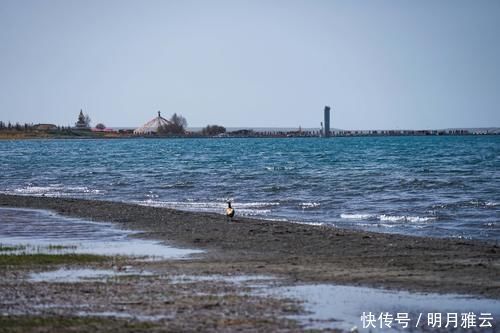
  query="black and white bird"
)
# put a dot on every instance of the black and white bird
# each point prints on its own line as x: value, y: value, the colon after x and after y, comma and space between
x: 229, y: 211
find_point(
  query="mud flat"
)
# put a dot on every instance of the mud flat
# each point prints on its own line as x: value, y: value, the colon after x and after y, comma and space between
x: 301, y: 252
x: 215, y: 289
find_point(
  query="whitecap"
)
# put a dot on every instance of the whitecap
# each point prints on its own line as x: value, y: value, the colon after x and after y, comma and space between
x: 385, y: 225
x: 391, y: 218
x: 279, y: 168
x: 242, y: 209
x: 308, y: 205
x: 403, y: 218
x: 317, y: 224
x: 417, y: 219
x: 277, y: 219
x: 55, y: 190
x: 253, y: 212
x: 356, y: 216
x: 35, y: 189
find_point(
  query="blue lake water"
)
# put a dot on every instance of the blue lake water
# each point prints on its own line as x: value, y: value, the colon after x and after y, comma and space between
x: 436, y: 186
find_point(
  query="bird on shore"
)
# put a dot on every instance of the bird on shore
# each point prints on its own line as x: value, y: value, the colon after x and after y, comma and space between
x: 229, y: 211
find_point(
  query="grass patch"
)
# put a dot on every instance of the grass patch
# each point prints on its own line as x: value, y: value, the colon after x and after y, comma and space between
x: 52, y: 247
x: 10, y: 248
x: 48, y: 259
x: 70, y: 324
x: 34, y: 249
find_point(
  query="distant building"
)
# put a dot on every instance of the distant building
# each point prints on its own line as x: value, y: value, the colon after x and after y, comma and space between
x: 44, y: 127
x: 327, y: 121
x: 83, y: 121
x: 152, y: 126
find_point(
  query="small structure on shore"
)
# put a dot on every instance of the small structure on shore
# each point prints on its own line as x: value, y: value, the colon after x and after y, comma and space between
x: 83, y: 122
x: 326, y: 132
x: 153, y: 126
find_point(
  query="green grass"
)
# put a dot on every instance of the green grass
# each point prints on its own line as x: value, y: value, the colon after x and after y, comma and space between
x: 48, y: 259
x: 18, y: 324
x: 52, y: 247
x: 10, y: 248
x: 25, y: 249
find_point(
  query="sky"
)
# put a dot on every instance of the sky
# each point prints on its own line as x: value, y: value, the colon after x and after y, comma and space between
x: 379, y: 64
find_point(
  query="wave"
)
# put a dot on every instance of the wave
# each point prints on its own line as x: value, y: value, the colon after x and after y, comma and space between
x: 54, y: 190
x: 388, y: 218
x: 277, y: 219
x: 177, y: 185
x: 309, y: 205
x: 242, y: 209
x: 404, y: 218
x: 357, y: 216
x: 467, y: 204
x: 279, y: 168
x: 317, y: 224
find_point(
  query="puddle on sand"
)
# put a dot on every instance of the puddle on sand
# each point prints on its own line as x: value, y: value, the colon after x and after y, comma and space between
x: 41, y: 231
x: 81, y: 275
x: 254, y: 280
x: 331, y: 306
x: 341, y: 307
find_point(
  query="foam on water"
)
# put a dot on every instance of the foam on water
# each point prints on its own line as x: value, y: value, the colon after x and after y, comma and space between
x: 56, y: 190
x: 244, y: 208
x: 403, y: 218
x: 388, y: 218
x: 356, y: 216
x: 309, y: 205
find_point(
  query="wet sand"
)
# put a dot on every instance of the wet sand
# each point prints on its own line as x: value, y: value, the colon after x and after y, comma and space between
x: 298, y: 252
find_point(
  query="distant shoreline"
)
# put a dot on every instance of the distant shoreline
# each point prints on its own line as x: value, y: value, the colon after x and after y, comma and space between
x: 91, y: 135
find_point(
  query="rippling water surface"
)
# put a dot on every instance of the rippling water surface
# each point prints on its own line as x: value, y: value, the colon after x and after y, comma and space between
x: 440, y: 186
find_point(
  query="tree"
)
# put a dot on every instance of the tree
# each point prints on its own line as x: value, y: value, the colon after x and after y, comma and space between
x: 176, y: 126
x: 100, y: 126
x: 87, y: 120
x: 179, y: 121
x: 212, y: 130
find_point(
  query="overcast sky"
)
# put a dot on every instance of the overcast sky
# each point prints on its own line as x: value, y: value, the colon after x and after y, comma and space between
x: 379, y: 64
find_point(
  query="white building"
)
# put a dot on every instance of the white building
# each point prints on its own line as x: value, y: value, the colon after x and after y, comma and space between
x: 152, y: 126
